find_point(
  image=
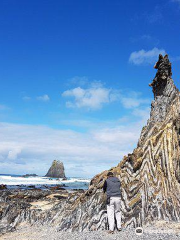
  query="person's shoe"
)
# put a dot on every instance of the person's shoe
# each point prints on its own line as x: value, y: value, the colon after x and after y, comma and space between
x: 111, y: 232
x: 119, y: 229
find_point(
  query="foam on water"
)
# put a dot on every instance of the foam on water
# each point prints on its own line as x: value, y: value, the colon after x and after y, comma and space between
x: 17, y: 180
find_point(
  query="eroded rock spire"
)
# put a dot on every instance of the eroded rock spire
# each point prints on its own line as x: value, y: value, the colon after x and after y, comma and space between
x: 163, y: 74
x: 163, y: 88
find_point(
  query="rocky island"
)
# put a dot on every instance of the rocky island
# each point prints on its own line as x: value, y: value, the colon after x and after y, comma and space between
x: 56, y: 170
x: 150, y: 180
x: 30, y: 175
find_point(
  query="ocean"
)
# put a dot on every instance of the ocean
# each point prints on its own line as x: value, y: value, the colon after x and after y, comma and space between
x: 17, y: 181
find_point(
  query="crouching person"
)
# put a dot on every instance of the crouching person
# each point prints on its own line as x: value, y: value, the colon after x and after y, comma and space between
x: 112, y: 188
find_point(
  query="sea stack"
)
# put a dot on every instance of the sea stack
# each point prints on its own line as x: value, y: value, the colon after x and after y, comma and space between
x: 56, y: 170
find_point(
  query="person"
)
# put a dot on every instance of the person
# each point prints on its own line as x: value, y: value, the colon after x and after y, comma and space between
x: 112, y: 188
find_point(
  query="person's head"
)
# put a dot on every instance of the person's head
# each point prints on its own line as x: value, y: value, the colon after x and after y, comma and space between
x: 110, y: 174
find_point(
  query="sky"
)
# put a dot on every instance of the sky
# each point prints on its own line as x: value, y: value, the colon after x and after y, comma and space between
x: 74, y: 78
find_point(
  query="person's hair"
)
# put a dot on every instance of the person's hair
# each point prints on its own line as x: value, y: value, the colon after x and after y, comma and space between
x: 110, y: 174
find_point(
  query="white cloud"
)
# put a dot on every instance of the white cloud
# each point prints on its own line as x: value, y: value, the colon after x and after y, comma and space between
x: 143, y: 113
x: 97, y: 95
x: 93, y: 123
x: 117, y: 135
x: 145, y: 57
x: 1, y: 158
x: 13, y: 154
x: 133, y: 100
x: 28, y: 148
x: 44, y: 98
x: 91, y: 98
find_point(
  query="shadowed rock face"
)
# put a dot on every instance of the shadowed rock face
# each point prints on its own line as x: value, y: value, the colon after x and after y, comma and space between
x: 56, y: 170
x: 149, y: 176
x: 164, y: 72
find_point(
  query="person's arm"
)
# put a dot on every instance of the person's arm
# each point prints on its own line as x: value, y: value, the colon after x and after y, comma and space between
x: 105, y: 186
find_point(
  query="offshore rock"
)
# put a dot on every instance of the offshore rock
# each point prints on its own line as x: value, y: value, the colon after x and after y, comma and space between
x: 56, y: 170
x: 30, y: 175
x: 150, y: 176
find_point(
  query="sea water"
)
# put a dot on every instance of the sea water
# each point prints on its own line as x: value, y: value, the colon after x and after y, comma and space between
x: 17, y: 181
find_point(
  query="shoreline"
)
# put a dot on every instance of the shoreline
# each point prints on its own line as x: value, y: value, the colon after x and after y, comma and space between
x: 19, y: 182
x: 36, y: 214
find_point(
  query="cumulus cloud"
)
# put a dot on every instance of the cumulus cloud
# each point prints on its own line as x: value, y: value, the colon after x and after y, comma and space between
x: 91, y: 98
x: 44, y: 98
x: 96, y: 96
x: 145, y: 57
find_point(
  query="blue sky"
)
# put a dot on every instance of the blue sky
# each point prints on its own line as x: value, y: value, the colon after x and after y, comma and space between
x: 74, y: 79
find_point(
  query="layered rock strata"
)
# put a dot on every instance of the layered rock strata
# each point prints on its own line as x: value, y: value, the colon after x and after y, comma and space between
x: 150, y: 176
x: 33, y: 206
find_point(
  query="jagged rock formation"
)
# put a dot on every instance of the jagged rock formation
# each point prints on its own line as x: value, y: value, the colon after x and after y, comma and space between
x: 150, y: 176
x: 32, y: 206
x: 164, y: 90
x: 56, y: 170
